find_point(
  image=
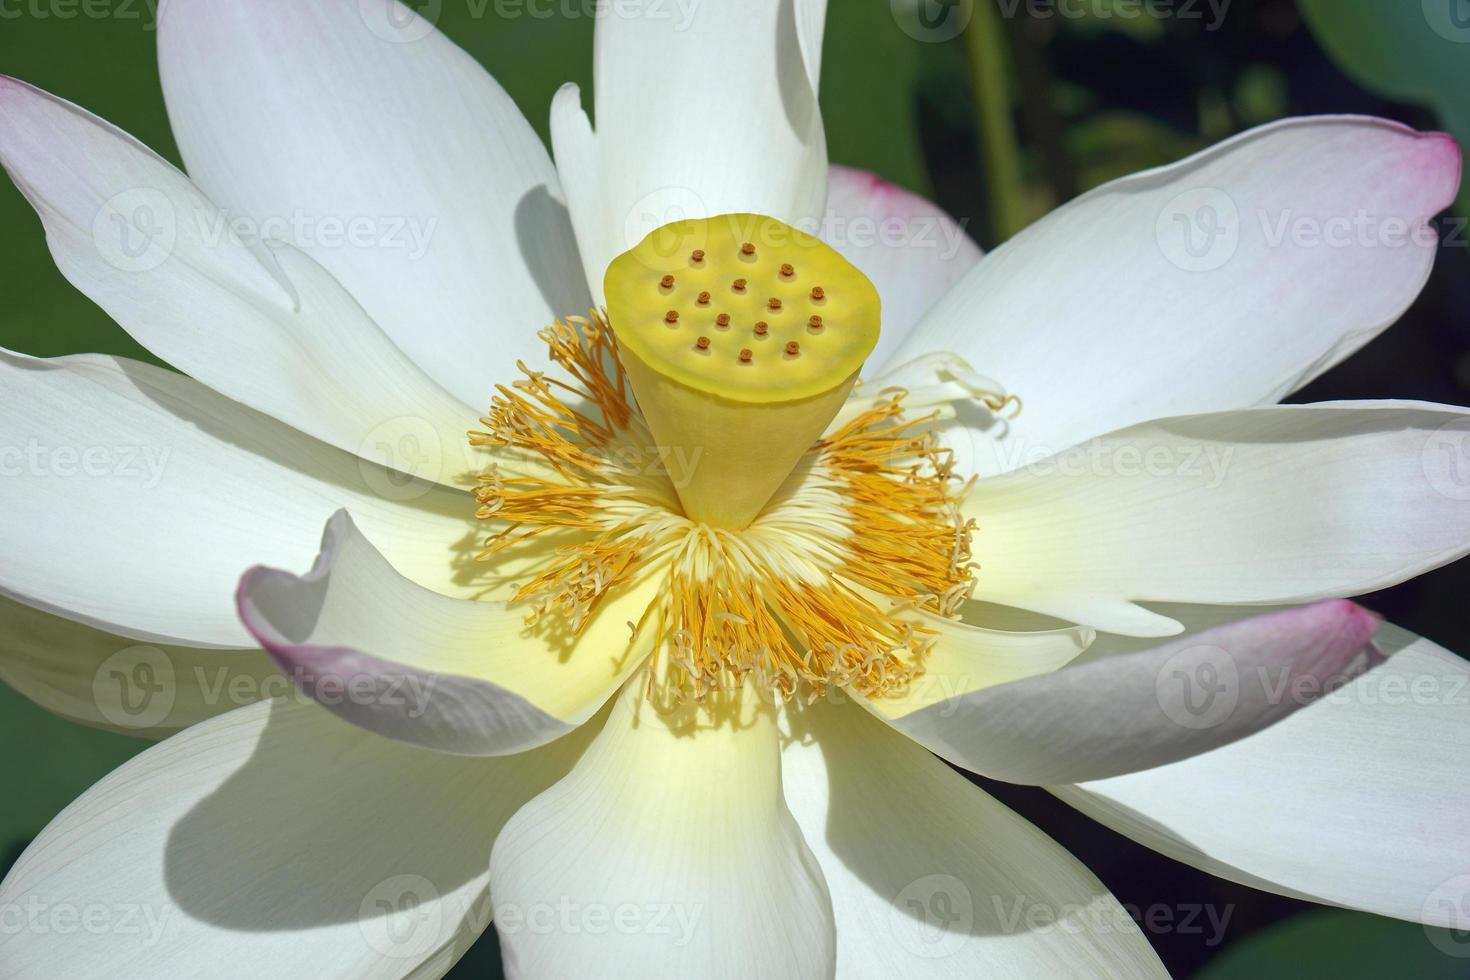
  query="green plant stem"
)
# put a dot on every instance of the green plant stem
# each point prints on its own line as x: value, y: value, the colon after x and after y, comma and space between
x: 985, y: 44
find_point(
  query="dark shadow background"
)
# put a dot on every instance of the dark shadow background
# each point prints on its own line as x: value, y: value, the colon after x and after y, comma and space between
x: 1091, y: 98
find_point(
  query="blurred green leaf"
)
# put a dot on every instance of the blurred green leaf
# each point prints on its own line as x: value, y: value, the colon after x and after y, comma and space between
x: 1414, y: 51
x: 1117, y: 143
x: 47, y: 762
x: 1260, y: 95
x: 1345, y: 946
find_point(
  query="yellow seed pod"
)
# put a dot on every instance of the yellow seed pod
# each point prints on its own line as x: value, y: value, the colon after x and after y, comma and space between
x: 742, y: 337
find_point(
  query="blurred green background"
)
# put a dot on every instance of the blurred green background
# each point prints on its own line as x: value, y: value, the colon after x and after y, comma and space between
x: 1028, y: 105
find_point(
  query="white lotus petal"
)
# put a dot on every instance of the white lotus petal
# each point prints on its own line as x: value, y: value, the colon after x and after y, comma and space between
x: 456, y: 675
x: 930, y: 877
x: 1358, y: 800
x: 274, y: 840
x: 109, y: 681
x: 268, y: 327
x: 965, y: 658
x: 1126, y: 713
x: 134, y: 498
x: 701, y: 109
x: 1271, y: 505
x: 911, y: 250
x: 668, y: 851
x: 1227, y: 280
x: 358, y: 114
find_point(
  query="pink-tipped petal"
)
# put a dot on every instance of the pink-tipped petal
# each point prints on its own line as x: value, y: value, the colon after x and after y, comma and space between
x: 258, y: 321
x: 1360, y: 800
x: 192, y: 489
x: 454, y: 675
x: 1141, y: 710
x: 1227, y: 280
x: 911, y: 249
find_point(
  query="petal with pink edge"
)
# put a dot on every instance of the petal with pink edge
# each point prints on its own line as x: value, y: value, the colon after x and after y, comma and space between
x: 97, y: 678
x: 1128, y: 713
x: 911, y: 250
x: 135, y: 497
x: 1227, y: 280
x: 265, y: 326
x: 1357, y: 800
x: 454, y: 675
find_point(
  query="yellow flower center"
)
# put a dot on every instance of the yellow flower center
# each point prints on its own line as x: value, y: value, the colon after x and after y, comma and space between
x: 693, y: 438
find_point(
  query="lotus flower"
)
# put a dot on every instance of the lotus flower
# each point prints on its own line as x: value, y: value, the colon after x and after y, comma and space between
x: 652, y: 668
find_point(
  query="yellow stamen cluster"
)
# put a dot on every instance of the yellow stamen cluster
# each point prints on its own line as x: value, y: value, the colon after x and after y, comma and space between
x: 804, y: 597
